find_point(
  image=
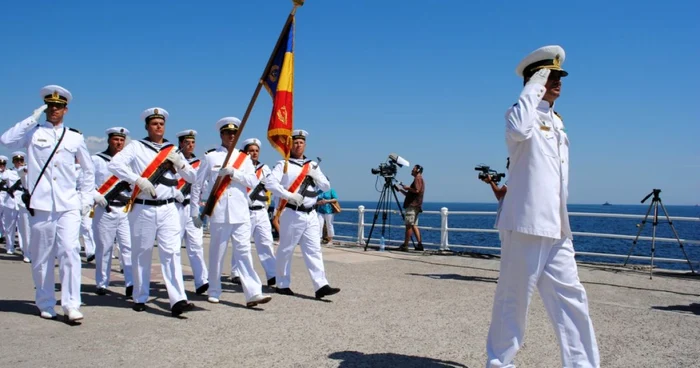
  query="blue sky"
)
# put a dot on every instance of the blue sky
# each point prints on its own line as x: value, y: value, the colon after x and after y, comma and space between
x: 427, y: 80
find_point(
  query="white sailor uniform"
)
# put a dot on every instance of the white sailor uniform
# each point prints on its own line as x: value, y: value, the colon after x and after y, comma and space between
x: 86, y: 226
x: 23, y: 216
x: 10, y: 208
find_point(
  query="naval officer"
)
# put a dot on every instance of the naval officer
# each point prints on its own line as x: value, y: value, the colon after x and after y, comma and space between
x: 536, y: 247
x: 52, y: 150
x: 153, y: 214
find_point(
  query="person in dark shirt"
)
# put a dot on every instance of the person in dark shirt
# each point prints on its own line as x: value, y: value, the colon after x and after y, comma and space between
x: 413, y: 204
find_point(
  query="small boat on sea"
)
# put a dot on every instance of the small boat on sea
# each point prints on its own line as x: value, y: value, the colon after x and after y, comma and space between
x: 607, y: 204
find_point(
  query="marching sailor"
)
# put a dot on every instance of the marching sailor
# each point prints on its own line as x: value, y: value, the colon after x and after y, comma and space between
x: 111, y: 222
x: 536, y: 246
x: 193, y: 236
x: 259, y: 219
x: 298, y: 187
x: 230, y: 218
x: 86, y: 227
x: 9, y: 180
x: 52, y: 150
x: 153, y: 214
x: 20, y: 196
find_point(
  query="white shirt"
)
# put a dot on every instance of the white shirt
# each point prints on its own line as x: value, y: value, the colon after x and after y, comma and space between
x: 539, y: 168
x: 10, y: 177
x: 261, y: 171
x: 279, y: 182
x: 100, y: 160
x: 56, y: 191
x: 232, y: 207
x: 130, y: 163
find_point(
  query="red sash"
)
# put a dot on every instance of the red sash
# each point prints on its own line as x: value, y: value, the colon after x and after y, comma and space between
x: 108, y: 185
x: 295, y: 185
x: 151, y: 168
x: 226, y: 180
x: 181, y: 182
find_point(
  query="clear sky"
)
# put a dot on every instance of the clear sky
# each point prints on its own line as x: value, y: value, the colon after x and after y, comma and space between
x: 429, y: 80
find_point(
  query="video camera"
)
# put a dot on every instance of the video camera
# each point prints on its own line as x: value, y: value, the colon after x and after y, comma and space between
x: 389, y: 168
x: 487, y: 172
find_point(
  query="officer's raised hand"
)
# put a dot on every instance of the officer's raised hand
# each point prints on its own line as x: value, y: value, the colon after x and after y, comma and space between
x: 37, y: 113
x: 540, y: 77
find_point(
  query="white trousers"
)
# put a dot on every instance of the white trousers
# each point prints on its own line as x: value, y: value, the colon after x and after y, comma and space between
x: 106, y: 227
x: 529, y: 262
x: 262, y: 235
x: 326, y: 219
x: 194, y: 240
x: 24, y: 231
x: 300, y: 228
x: 240, y: 239
x: 9, y: 226
x: 55, y: 235
x: 86, y: 234
x: 147, y: 224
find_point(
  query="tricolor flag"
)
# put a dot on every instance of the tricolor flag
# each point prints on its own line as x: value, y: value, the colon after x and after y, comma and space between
x: 279, y: 82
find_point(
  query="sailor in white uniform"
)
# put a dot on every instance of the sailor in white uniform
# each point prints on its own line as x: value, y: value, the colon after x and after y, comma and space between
x: 298, y: 220
x: 8, y: 202
x: 193, y: 236
x: 230, y: 218
x: 20, y: 196
x: 86, y: 226
x: 111, y: 222
x: 52, y: 149
x: 259, y: 219
x: 153, y: 214
x: 536, y: 247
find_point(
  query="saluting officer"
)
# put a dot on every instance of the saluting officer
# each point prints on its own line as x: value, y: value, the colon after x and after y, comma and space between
x: 52, y: 150
x: 536, y: 247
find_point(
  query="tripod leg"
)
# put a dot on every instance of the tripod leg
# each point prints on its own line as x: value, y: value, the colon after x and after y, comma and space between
x: 636, y: 238
x: 374, y: 220
x: 675, y: 233
x: 653, y: 236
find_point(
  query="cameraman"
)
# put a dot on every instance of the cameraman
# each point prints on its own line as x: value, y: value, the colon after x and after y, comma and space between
x: 413, y: 204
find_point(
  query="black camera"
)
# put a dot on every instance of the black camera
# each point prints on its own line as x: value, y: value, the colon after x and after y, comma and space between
x: 389, y: 169
x: 485, y: 172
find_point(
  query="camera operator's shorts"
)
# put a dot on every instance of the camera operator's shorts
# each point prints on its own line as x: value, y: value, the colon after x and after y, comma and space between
x: 411, y: 216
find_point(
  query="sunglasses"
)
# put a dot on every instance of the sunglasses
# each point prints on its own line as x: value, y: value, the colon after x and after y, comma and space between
x: 56, y: 105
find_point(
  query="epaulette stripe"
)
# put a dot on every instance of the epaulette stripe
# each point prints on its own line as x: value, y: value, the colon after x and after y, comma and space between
x: 75, y: 130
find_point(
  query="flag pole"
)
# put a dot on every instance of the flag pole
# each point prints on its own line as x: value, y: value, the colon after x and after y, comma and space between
x: 210, y: 200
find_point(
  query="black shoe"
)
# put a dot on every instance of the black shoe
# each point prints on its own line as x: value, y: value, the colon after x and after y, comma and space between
x: 271, y: 282
x: 90, y: 258
x: 403, y: 248
x: 181, y: 307
x: 419, y: 247
x: 325, y: 291
x: 236, y: 280
x: 139, y: 307
x: 129, y: 292
x: 101, y: 291
x: 202, y: 289
x: 285, y: 291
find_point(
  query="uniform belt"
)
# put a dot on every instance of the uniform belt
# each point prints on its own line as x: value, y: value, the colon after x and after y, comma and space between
x: 116, y: 203
x: 300, y: 208
x: 185, y: 202
x: 256, y: 208
x: 157, y: 202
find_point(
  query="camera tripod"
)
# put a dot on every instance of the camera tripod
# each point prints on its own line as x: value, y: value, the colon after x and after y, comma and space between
x: 655, y: 202
x: 384, y: 206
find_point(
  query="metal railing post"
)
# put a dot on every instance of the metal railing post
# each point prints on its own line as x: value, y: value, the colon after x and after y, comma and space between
x: 361, y: 225
x: 443, y: 229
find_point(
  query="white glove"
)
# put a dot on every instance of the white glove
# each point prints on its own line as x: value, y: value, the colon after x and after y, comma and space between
x: 540, y: 77
x: 146, y: 186
x: 178, y: 196
x: 175, y: 158
x: 316, y: 175
x: 227, y: 171
x: 22, y: 172
x: 37, y: 112
x: 84, y: 210
x: 100, y: 200
x: 295, y: 199
x: 197, y: 222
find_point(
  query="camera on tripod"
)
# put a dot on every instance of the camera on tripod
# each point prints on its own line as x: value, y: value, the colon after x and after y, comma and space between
x: 487, y: 172
x: 388, y: 169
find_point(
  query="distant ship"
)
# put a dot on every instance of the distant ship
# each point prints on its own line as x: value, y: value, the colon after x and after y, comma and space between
x: 607, y: 204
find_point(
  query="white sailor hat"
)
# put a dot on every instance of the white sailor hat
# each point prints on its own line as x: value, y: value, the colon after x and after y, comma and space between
x: 3, y: 159
x: 186, y: 134
x: 250, y: 141
x: 299, y: 134
x: 153, y: 113
x: 118, y: 131
x: 228, y: 123
x: 17, y: 155
x: 549, y: 57
x: 55, y: 94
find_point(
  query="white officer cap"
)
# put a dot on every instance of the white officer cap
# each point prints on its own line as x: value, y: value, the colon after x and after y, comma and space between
x: 250, y: 141
x: 549, y: 57
x: 17, y: 155
x: 55, y: 94
x: 153, y: 113
x: 228, y: 123
x: 118, y: 131
x: 3, y: 159
x: 186, y: 134
x: 299, y: 134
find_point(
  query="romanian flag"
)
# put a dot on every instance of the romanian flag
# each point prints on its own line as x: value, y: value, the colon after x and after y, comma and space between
x: 279, y: 82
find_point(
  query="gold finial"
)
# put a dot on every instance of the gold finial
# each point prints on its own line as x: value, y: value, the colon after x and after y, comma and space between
x: 298, y: 2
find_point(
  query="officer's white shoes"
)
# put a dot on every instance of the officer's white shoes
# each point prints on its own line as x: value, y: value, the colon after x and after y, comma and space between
x: 211, y: 299
x: 73, y: 314
x: 48, y: 313
x: 258, y: 299
x: 26, y: 260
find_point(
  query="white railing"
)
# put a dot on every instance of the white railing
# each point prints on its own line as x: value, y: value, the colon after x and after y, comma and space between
x: 444, y: 230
